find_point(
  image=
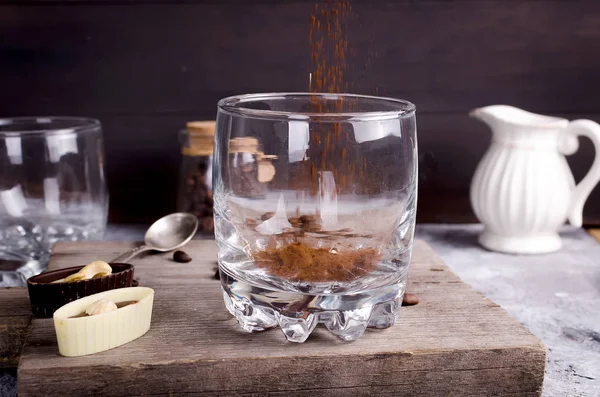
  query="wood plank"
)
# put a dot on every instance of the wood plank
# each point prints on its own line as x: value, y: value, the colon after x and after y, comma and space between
x: 15, y: 318
x: 99, y: 59
x: 595, y: 233
x: 444, y: 175
x: 481, y: 52
x: 444, y: 178
x: 454, y: 342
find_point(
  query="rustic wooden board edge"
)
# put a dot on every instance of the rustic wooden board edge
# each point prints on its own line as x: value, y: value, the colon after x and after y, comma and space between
x: 13, y: 334
x: 364, y: 373
x: 595, y: 233
x: 15, y: 321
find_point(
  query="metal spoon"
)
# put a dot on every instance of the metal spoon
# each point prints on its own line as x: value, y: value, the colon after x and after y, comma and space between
x: 166, y: 234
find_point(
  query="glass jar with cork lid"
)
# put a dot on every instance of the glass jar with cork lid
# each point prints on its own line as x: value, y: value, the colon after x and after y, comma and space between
x: 249, y: 168
x: 195, y: 183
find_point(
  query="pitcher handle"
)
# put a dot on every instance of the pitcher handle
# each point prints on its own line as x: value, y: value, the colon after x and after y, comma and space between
x: 591, y: 130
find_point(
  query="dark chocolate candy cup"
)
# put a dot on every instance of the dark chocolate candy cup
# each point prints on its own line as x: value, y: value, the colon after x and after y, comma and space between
x: 46, y: 298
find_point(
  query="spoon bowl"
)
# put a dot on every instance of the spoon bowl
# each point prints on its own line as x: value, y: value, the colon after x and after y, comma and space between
x: 166, y: 234
x: 171, y: 232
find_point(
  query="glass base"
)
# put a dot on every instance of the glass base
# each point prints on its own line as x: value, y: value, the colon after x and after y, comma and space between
x: 345, y: 315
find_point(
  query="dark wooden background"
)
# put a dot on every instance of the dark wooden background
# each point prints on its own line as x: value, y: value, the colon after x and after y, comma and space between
x: 144, y: 68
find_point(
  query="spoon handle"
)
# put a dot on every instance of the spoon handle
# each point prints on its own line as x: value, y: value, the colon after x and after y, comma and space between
x: 127, y: 256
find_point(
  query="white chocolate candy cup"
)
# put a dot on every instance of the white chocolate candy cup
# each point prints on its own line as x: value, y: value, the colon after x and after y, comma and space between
x: 92, y: 334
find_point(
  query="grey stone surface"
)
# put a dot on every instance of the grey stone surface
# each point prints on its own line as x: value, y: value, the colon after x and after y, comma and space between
x: 556, y: 296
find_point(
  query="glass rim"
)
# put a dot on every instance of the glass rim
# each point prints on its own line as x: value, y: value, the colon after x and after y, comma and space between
x: 78, y: 125
x: 229, y: 105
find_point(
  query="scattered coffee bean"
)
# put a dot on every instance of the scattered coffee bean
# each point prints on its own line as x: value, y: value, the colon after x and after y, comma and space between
x: 208, y: 224
x: 410, y: 299
x: 308, y: 218
x: 182, y: 257
x: 310, y: 223
x: 295, y: 222
x: 267, y: 215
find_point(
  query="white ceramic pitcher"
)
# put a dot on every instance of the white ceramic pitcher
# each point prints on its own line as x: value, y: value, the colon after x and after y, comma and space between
x: 523, y: 189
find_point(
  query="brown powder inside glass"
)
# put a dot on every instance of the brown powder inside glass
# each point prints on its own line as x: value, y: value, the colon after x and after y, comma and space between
x: 299, y: 262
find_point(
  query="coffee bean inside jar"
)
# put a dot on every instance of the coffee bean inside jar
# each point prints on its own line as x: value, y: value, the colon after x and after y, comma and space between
x: 195, y: 184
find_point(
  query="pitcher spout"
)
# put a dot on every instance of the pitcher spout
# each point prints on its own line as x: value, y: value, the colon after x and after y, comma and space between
x: 489, y: 114
x: 496, y: 115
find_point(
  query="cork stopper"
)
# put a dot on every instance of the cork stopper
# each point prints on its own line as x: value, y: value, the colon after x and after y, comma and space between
x: 243, y: 145
x: 200, y: 138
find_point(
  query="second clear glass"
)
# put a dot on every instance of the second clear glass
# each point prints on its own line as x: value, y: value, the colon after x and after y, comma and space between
x: 52, y: 188
x: 315, y: 198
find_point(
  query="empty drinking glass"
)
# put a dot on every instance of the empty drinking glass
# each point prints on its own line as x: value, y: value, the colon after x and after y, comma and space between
x: 315, y: 198
x: 52, y: 189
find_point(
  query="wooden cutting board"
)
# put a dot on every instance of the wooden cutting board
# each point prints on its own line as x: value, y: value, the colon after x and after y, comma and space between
x: 454, y: 342
x: 595, y: 233
x: 15, y: 318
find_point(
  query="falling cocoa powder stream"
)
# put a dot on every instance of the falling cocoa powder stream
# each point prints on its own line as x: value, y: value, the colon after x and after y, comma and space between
x: 328, y: 145
x: 328, y: 43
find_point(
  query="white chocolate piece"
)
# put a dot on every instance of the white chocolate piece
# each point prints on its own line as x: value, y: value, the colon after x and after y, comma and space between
x: 101, y: 306
x: 78, y: 336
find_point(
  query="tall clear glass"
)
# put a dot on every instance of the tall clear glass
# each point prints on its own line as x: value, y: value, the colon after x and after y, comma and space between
x: 314, y: 201
x: 52, y: 188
